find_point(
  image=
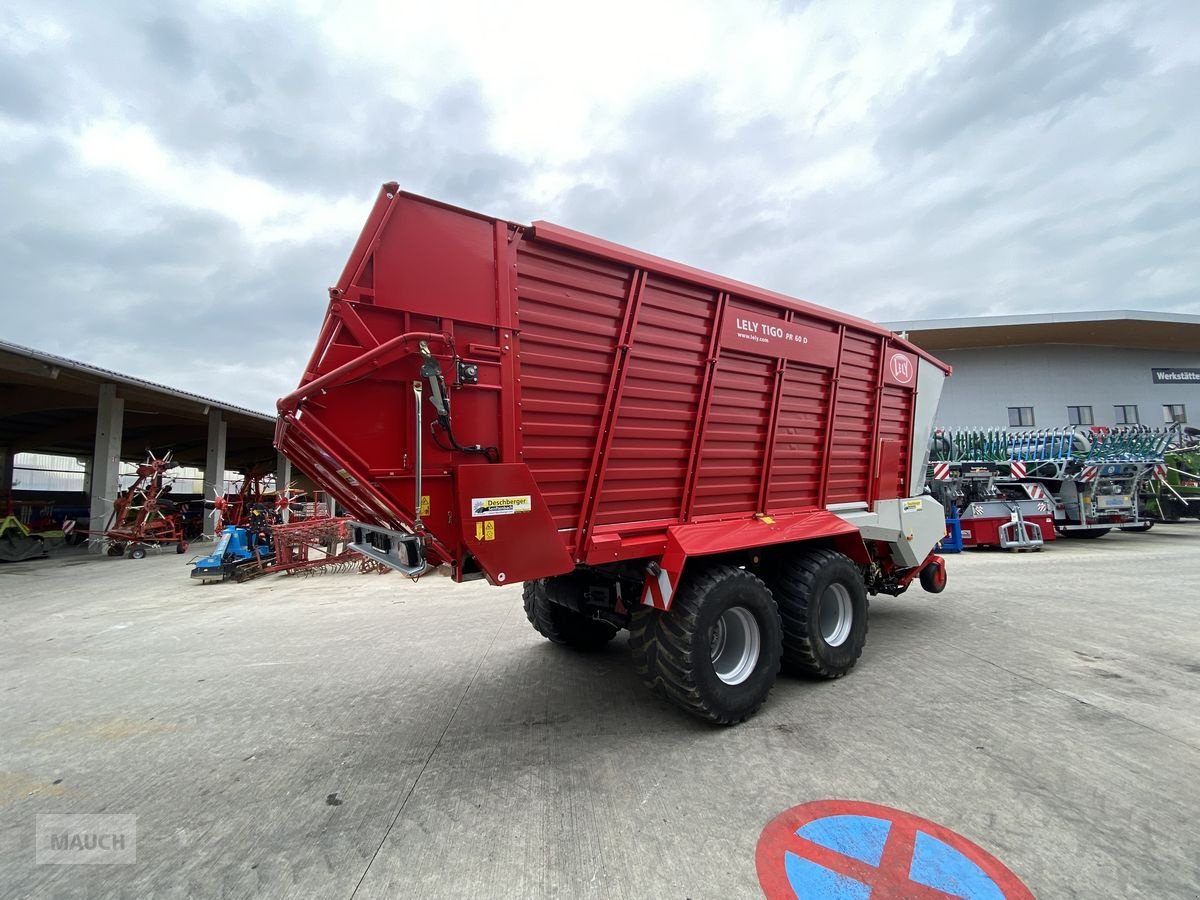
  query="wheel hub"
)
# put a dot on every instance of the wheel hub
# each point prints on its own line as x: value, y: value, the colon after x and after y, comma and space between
x: 734, y: 645
x: 835, y: 615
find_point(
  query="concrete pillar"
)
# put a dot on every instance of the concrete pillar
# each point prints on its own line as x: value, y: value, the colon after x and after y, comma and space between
x: 283, y: 477
x: 106, y: 460
x: 6, y: 474
x: 86, y: 462
x: 214, y: 466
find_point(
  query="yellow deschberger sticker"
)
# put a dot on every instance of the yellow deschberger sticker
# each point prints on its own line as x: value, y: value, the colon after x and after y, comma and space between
x: 912, y: 504
x: 501, y: 506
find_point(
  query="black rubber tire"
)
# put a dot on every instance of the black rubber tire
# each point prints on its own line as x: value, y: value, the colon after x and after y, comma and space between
x: 933, y: 578
x: 671, y: 650
x: 559, y: 624
x: 1138, y: 528
x: 115, y: 550
x: 137, y: 553
x: 799, y: 589
x: 1083, y: 533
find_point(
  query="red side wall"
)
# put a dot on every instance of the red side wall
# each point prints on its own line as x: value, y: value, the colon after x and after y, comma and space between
x: 639, y: 393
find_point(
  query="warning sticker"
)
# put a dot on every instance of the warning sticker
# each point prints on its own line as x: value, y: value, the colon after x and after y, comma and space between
x: 501, y: 506
x: 910, y: 505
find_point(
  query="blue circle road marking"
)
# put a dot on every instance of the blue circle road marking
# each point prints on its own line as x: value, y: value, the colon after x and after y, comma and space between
x: 850, y: 850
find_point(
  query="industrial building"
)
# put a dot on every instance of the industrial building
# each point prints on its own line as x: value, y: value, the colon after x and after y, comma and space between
x: 104, y: 419
x: 1104, y: 368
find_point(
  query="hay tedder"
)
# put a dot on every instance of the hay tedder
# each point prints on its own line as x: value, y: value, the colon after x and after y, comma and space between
x: 1014, y: 487
x: 143, y: 516
x: 234, y: 509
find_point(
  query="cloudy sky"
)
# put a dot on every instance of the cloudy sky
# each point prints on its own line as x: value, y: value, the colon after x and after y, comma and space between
x: 179, y: 184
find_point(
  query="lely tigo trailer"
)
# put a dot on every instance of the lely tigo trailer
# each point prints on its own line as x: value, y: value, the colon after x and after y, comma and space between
x: 724, y: 471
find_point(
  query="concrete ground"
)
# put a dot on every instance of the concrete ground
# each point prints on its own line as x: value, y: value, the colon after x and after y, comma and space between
x: 362, y: 736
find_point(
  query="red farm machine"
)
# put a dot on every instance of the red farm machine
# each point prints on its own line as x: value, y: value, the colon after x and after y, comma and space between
x: 1015, y: 489
x: 143, y: 516
x: 235, y: 508
x: 724, y: 471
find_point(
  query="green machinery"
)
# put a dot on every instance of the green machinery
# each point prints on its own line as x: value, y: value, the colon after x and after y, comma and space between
x: 1175, y: 494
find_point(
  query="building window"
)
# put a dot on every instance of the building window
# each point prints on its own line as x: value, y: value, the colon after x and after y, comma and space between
x: 1080, y: 415
x: 1020, y: 416
x: 1126, y: 415
x: 1174, y: 413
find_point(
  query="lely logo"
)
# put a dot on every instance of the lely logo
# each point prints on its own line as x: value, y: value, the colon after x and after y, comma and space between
x: 902, y: 369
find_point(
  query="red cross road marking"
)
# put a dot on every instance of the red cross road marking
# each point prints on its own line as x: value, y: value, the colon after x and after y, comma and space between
x: 888, y: 880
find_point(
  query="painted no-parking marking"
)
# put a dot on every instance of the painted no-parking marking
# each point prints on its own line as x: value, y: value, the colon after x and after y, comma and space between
x: 850, y: 850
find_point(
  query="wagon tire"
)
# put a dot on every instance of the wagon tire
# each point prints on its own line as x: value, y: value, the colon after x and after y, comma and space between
x: 716, y: 652
x: 1138, y: 528
x: 933, y: 577
x: 559, y: 624
x: 1084, y: 533
x: 137, y: 553
x: 823, y: 603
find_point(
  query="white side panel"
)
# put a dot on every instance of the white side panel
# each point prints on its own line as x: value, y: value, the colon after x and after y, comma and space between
x: 930, y: 381
x: 912, y: 527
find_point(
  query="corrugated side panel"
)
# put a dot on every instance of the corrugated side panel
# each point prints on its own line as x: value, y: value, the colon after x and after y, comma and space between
x: 854, y: 419
x: 895, y: 424
x: 739, y: 417
x: 799, y: 438
x: 652, y: 438
x: 570, y: 310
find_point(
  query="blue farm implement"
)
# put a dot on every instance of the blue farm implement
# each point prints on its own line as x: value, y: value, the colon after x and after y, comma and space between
x: 308, y: 545
x: 242, y: 551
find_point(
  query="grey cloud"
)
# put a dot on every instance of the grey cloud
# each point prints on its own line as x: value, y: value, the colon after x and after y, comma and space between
x: 1046, y: 166
x: 21, y: 95
x: 169, y: 43
x: 170, y: 295
x: 1022, y: 60
x: 260, y: 93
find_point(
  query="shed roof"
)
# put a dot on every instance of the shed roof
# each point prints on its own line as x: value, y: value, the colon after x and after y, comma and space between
x: 48, y: 404
x: 1098, y: 328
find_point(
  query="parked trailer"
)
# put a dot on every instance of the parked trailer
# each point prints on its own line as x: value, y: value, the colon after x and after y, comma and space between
x: 971, y: 473
x: 1090, y: 476
x: 725, y: 471
x: 991, y: 510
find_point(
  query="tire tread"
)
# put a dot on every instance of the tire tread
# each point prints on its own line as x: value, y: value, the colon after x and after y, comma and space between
x: 793, y: 593
x: 661, y: 642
